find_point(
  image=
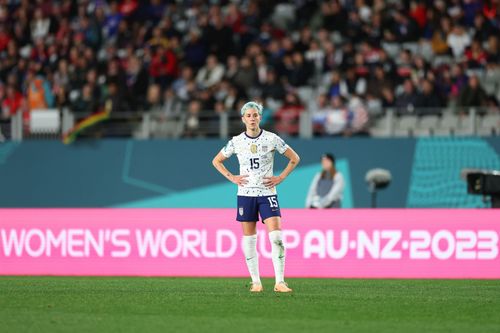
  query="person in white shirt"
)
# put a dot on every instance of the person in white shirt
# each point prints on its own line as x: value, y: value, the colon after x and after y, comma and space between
x: 210, y: 74
x: 327, y: 186
x: 458, y: 40
x: 255, y: 149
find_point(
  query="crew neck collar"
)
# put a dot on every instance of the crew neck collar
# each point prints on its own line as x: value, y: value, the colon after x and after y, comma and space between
x: 254, y: 137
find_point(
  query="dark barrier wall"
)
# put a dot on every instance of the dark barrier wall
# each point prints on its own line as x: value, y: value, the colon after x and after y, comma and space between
x: 131, y: 173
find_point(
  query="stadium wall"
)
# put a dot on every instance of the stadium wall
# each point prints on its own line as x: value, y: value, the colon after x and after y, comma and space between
x: 179, y: 174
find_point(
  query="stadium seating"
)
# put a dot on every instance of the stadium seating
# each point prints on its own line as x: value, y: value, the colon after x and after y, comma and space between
x: 135, y: 61
x: 438, y: 162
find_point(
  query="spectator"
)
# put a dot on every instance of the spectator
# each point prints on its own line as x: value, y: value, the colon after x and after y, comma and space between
x: 185, y: 86
x: 227, y: 96
x: 158, y: 39
x: 319, y: 112
x: 378, y: 82
x: 272, y: 88
x: 39, y: 93
x: 114, y: 101
x: 475, y: 55
x: 353, y: 85
x: 13, y: 101
x: 301, y: 71
x: 287, y: 117
x: 357, y: 117
x: 439, y: 41
x: 163, y: 67
x: 334, y: 16
x: 427, y: 101
x: 232, y: 68
x: 192, y: 127
x: 472, y: 95
x: 458, y: 40
x: 112, y: 20
x: 388, y: 98
x: 86, y: 103
x: 124, y: 35
x: 336, y: 86
x: 334, y: 58
x: 168, y: 117
x: 5, y: 38
x: 407, y: 101
x: 246, y: 76
x: 136, y: 82
x: 220, y: 38
x: 211, y: 73
x: 128, y: 7
x: 195, y: 52
x: 337, y: 118
x: 483, y: 28
x: 153, y: 99
x: 327, y: 186
x: 459, y: 80
x: 40, y: 25
x: 405, y: 28
x: 493, y: 52
x: 261, y: 68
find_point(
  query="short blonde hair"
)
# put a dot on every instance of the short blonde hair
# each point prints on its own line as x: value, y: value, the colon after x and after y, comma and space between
x: 251, y: 105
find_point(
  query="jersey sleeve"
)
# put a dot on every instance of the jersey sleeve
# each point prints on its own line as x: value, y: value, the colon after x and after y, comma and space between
x: 228, y: 149
x: 280, y: 145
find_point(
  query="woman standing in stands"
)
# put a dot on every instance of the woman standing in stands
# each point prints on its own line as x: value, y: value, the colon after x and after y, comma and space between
x: 327, y: 186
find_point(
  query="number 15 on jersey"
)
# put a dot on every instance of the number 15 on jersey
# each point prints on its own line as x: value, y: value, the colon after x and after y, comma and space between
x: 254, y: 163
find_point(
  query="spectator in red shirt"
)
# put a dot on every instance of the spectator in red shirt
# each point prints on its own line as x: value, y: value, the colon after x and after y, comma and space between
x: 13, y: 102
x: 163, y: 67
x: 128, y: 7
x: 418, y: 13
x: 476, y: 56
x: 4, y: 38
x: 287, y: 117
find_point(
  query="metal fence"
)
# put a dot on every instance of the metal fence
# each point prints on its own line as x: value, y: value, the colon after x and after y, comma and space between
x: 147, y: 125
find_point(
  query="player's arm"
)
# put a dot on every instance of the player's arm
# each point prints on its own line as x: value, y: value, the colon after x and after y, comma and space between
x: 294, y: 160
x: 218, y: 163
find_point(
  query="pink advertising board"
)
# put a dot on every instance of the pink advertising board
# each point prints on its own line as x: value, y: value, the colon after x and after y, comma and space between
x: 398, y: 243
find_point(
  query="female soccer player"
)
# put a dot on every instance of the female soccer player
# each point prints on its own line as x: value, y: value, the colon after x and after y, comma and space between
x: 257, y: 190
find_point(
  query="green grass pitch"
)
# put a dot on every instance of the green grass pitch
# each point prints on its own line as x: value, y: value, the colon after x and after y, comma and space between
x: 121, y: 304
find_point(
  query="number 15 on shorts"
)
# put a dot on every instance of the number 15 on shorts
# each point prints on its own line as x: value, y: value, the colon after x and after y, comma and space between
x: 273, y: 202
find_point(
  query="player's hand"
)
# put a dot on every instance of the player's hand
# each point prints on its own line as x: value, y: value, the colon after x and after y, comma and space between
x: 272, y: 181
x: 239, y: 180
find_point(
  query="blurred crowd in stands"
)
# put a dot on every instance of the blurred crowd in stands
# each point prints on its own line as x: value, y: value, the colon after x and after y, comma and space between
x: 342, y: 61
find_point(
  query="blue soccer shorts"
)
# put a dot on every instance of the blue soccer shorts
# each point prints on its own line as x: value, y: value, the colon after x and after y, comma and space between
x: 249, y: 208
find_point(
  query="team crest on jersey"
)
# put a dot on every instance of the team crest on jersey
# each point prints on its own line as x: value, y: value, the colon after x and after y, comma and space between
x: 264, y: 149
x: 253, y: 148
x: 240, y: 210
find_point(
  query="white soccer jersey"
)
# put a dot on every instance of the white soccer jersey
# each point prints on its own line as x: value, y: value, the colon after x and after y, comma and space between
x: 256, y: 158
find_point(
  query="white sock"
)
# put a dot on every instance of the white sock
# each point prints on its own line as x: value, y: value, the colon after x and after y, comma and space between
x: 251, y: 257
x: 278, y: 255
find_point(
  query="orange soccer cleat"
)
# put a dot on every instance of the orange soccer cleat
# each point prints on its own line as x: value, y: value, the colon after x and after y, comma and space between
x: 256, y: 287
x: 282, y: 287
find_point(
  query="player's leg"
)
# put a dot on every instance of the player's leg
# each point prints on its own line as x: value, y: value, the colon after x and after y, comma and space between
x: 251, y: 255
x: 247, y: 216
x: 271, y: 216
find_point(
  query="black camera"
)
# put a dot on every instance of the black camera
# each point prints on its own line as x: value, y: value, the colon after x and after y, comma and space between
x: 484, y: 182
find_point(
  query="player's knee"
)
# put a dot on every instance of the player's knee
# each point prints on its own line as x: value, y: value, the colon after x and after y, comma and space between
x: 276, y: 239
x: 280, y: 244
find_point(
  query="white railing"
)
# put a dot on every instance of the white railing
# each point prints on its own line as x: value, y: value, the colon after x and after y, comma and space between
x: 145, y: 125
